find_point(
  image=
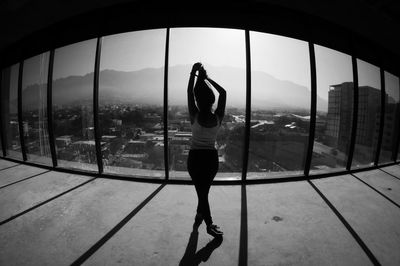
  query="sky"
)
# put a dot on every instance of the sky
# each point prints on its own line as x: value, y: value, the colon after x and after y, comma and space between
x: 332, y: 68
x: 282, y: 57
x: 217, y: 47
x: 368, y: 75
x: 36, y: 70
x: 74, y: 59
x: 134, y: 50
x: 392, y: 85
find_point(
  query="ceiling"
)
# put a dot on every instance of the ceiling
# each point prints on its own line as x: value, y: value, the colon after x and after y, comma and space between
x: 376, y: 20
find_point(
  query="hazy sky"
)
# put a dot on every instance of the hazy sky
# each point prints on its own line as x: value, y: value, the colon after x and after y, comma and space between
x: 14, y: 81
x: 74, y: 59
x: 282, y: 57
x: 134, y: 50
x: 13, y: 87
x: 368, y: 75
x: 392, y: 85
x: 332, y: 67
x: 36, y: 70
x: 217, y: 47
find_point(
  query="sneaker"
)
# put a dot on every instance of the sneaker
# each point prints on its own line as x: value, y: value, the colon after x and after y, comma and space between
x: 198, y: 220
x: 214, y: 230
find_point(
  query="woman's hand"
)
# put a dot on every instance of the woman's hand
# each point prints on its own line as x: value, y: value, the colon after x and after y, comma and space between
x: 197, y: 66
x: 202, y: 73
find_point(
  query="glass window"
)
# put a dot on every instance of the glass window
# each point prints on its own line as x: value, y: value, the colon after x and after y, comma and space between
x: 390, y: 126
x: 222, y: 52
x: 34, y: 109
x: 1, y: 118
x: 1, y: 136
x: 334, y: 110
x: 369, y: 111
x: 280, y: 105
x: 131, y: 94
x: 73, y: 105
x: 9, y: 96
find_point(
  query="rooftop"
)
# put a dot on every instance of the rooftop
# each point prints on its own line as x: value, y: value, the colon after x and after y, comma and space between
x: 55, y: 218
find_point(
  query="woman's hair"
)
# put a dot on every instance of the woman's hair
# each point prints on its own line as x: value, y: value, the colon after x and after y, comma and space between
x: 203, y: 94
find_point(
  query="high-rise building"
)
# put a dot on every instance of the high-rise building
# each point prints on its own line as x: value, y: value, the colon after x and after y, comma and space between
x: 340, y: 113
x: 369, y: 109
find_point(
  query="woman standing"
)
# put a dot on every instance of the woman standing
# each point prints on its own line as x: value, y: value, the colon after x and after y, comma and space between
x: 203, y: 156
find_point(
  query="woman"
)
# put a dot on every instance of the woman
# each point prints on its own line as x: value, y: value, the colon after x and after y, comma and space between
x: 203, y: 157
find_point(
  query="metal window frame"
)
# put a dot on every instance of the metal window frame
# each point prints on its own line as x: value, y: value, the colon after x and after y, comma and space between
x: 50, y: 109
x: 20, y: 121
x: 313, y: 109
x: 397, y: 141
x: 2, y: 137
x: 246, y: 146
x: 311, y: 137
x: 355, y: 114
x: 97, y: 137
x: 165, y: 107
x: 382, y: 117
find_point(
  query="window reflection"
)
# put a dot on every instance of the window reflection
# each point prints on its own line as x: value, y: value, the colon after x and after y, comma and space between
x: 369, y: 111
x: 73, y: 105
x: 222, y: 52
x: 34, y: 109
x: 334, y: 110
x: 131, y: 103
x: 9, y: 97
x: 390, y: 126
x: 280, y: 105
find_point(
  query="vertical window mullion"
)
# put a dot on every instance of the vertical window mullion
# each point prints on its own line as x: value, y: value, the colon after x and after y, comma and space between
x: 313, y: 110
x: 248, y: 107
x: 355, y: 113
x: 2, y: 133
x: 20, y: 121
x: 165, y: 113
x: 97, y: 136
x: 397, y: 141
x: 382, y: 117
x: 50, y: 109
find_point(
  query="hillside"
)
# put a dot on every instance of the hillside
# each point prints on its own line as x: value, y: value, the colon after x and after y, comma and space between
x: 146, y: 87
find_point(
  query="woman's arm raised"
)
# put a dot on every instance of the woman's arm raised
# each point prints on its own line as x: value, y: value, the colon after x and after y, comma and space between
x: 190, y: 95
x: 220, y: 111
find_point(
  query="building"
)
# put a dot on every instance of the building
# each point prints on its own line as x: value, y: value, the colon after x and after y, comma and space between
x: 339, y: 117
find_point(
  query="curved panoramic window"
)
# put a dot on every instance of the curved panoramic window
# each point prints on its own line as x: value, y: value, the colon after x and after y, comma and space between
x: 133, y: 106
x: 369, y: 111
x: 391, y: 120
x: 222, y: 52
x: 280, y: 105
x: 131, y: 103
x: 334, y: 110
x: 73, y: 105
x: 34, y: 109
x: 9, y: 98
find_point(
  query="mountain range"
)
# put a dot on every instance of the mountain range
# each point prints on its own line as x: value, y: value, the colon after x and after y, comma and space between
x: 145, y: 86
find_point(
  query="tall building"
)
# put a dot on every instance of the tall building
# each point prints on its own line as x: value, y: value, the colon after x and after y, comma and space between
x: 369, y: 110
x: 340, y: 113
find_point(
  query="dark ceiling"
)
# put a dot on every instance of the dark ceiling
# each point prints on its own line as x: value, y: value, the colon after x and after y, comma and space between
x: 377, y: 21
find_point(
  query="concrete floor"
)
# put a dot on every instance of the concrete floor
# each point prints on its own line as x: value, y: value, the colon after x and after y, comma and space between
x: 53, y: 218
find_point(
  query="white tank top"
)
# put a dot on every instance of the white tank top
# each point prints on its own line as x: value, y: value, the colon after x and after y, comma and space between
x: 203, y: 138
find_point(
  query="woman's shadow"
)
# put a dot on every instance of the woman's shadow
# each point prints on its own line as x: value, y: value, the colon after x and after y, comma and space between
x: 191, y: 257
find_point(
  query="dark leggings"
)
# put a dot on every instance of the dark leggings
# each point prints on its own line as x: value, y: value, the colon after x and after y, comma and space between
x: 203, y: 166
